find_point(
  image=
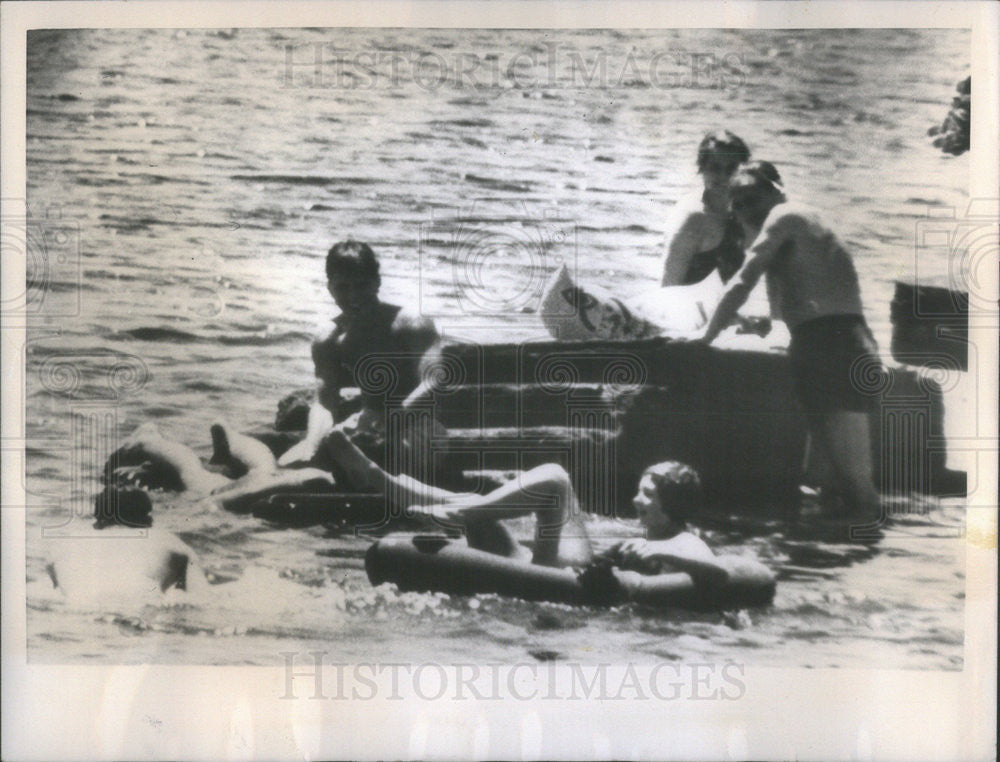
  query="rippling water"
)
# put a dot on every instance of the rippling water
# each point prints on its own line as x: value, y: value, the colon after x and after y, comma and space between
x: 197, y: 182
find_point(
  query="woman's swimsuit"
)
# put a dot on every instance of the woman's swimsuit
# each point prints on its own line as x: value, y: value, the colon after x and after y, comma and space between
x: 727, y: 257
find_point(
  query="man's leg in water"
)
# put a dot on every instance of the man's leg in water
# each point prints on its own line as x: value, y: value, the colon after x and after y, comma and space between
x: 818, y: 466
x: 821, y: 471
x: 848, y: 439
x: 545, y: 491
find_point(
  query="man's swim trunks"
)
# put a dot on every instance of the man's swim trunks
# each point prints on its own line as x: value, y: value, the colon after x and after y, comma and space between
x: 834, y: 362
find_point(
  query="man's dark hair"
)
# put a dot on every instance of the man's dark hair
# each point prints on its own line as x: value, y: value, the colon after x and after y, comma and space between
x: 351, y: 258
x: 764, y: 169
x: 754, y: 179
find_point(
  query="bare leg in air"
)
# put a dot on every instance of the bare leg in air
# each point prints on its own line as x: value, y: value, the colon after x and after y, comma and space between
x: 546, y: 491
x: 147, y: 445
x: 238, y: 453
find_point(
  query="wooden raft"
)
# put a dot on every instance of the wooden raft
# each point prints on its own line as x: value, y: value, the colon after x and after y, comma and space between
x: 607, y: 410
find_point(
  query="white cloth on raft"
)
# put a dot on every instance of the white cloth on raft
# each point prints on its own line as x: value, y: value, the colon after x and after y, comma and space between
x: 571, y: 312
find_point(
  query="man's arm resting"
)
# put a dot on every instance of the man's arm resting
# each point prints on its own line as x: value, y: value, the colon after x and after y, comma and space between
x: 734, y: 298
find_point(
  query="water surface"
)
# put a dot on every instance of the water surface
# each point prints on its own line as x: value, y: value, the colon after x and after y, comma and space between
x: 205, y: 186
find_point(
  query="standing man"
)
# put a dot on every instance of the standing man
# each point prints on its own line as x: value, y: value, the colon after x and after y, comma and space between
x: 811, y: 285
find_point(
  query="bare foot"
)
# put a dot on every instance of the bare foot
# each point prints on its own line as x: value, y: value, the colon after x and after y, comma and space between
x: 448, y: 515
x: 239, y: 452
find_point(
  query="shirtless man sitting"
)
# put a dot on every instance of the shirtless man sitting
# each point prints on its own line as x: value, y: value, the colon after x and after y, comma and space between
x: 365, y: 327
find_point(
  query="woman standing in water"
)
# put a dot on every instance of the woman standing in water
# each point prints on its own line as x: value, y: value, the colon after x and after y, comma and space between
x: 706, y: 236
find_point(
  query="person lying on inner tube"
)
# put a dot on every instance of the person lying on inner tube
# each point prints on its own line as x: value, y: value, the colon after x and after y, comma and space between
x: 365, y: 327
x: 669, y: 494
x: 668, y: 497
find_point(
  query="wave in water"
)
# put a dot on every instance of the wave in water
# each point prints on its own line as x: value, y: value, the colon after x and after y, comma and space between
x: 305, y: 180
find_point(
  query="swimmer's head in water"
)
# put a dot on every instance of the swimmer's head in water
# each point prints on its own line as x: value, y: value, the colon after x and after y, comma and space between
x: 352, y: 275
x: 123, y: 507
x: 754, y: 190
x: 719, y: 154
x: 669, y: 495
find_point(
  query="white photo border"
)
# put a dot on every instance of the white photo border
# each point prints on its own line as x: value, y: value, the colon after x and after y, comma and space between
x: 149, y: 712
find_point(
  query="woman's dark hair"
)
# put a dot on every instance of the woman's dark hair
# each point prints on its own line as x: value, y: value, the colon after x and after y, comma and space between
x: 678, y: 488
x: 351, y: 258
x: 722, y: 143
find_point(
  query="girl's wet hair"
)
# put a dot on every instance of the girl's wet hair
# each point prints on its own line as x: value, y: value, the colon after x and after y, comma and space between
x: 351, y: 258
x: 678, y: 488
x: 724, y: 144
